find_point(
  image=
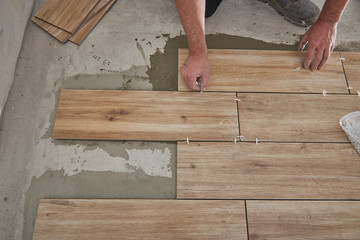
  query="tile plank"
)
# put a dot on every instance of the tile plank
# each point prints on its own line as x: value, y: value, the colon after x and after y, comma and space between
x: 210, y: 170
x: 145, y: 115
x: 294, y: 117
x: 352, y: 70
x: 56, y: 32
x: 91, y: 20
x: 295, y: 220
x: 140, y: 219
x: 82, y: 33
x: 66, y: 14
x: 267, y: 71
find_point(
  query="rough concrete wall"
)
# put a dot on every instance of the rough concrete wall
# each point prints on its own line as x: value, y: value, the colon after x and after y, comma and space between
x: 14, y: 16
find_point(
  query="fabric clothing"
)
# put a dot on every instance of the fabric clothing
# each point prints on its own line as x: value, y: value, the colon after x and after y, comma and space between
x: 211, y: 6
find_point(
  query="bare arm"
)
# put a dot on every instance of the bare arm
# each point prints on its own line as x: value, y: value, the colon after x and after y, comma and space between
x: 322, y: 35
x: 192, y: 15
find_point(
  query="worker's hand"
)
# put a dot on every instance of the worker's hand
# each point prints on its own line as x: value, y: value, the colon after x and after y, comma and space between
x: 320, y: 39
x: 196, y: 67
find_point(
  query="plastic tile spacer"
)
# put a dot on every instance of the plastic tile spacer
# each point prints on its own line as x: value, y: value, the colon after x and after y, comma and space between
x: 341, y: 59
x: 349, y: 88
x: 324, y: 92
x: 187, y: 141
x: 237, y: 99
x: 235, y: 141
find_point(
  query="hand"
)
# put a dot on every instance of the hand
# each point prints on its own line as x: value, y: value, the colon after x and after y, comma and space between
x: 321, y: 42
x: 196, y: 71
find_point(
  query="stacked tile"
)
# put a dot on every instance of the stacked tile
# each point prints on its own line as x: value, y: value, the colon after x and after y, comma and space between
x: 71, y: 19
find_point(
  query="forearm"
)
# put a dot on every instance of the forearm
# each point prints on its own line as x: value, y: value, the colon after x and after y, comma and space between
x: 192, y: 15
x: 332, y: 11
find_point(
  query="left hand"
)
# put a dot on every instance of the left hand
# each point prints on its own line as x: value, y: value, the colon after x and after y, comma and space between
x: 321, y: 42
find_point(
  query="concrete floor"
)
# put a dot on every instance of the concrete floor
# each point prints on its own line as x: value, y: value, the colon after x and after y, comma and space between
x: 133, y: 47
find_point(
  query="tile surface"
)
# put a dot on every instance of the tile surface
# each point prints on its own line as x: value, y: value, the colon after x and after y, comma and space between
x: 267, y: 71
x: 66, y: 14
x: 294, y: 117
x: 56, y: 32
x: 90, y: 22
x: 140, y: 219
x: 267, y: 171
x: 352, y: 70
x: 303, y: 220
x: 145, y: 115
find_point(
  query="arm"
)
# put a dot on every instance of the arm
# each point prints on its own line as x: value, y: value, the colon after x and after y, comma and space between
x: 196, y: 66
x: 322, y: 35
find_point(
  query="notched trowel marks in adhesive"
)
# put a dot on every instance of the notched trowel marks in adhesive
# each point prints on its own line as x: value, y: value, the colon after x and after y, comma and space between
x: 163, y: 71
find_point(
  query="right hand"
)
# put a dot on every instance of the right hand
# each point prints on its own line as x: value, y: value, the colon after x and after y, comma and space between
x: 196, y: 67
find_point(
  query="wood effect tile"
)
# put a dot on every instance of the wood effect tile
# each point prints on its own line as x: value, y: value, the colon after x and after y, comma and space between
x: 56, y: 32
x: 294, y: 117
x: 140, y: 219
x: 145, y: 115
x: 267, y: 71
x: 82, y: 33
x: 66, y: 14
x: 209, y: 170
x: 352, y: 70
x: 295, y: 220
x: 91, y: 20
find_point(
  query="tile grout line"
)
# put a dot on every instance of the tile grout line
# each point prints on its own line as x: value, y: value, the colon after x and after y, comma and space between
x: 269, y: 199
x: 175, y: 170
x: 247, y: 223
x: 238, y: 115
x: 343, y: 68
x: 248, y: 141
x: 284, y: 93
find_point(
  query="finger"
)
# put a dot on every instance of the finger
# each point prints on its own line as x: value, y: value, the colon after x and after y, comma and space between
x: 205, y: 82
x: 326, y: 56
x: 302, y: 43
x: 189, y: 79
x: 192, y: 84
x: 309, y: 56
x: 332, y: 48
x: 199, y: 83
x: 318, y: 58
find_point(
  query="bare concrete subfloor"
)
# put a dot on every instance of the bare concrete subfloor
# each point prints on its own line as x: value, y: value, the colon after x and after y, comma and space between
x: 133, y: 47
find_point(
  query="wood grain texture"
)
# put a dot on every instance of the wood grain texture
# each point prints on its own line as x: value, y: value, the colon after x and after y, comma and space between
x: 294, y: 117
x: 66, y: 14
x: 101, y: 9
x: 352, y: 70
x: 298, y: 220
x: 89, y: 23
x: 249, y: 171
x: 56, y: 32
x: 145, y: 115
x: 267, y: 71
x: 140, y: 219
